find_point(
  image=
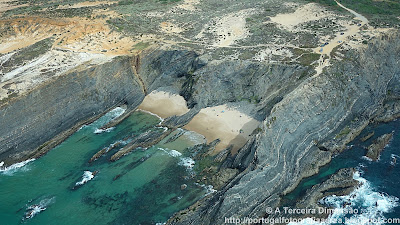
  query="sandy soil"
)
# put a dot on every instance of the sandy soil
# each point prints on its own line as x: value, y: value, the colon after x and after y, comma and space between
x: 31, y: 73
x: 170, y: 28
x: 352, y: 28
x: 228, y: 29
x: 268, y: 53
x: 228, y: 124
x: 303, y: 14
x: 164, y: 104
x: 75, y: 41
x: 76, y: 34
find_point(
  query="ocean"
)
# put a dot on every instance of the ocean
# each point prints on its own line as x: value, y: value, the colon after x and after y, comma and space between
x: 376, y: 201
x: 146, y: 186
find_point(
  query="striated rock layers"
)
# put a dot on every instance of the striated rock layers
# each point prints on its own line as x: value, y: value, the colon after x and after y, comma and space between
x: 306, y: 116
x: 303, y: 129
x: 30, y: 121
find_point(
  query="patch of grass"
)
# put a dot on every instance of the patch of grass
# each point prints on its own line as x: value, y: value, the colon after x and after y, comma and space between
x: 141, y: 45
x: 343, y: 132
x: 308, y: 59
x: 386, y: 10
x: 125, y: 2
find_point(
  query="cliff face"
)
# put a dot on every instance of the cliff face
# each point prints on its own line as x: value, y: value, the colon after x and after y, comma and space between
x: 315, y: 119
x: 306, y: 116
x: 58, y: 105
x: 67, y: 101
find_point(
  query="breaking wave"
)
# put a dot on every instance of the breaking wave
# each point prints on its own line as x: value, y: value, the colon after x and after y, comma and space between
x: 172, y: 153
x: 35, y: 209
x: 371, y: 206
x: 10, y: 170
x: 87, y: 176
x: 99, y: 130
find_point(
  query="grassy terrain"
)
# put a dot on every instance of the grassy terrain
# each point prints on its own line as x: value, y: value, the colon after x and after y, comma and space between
x: 378, y: 12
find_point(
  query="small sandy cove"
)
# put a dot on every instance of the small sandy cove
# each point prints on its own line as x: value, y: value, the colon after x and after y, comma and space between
x: 226, y: 123
x: 164, y: 104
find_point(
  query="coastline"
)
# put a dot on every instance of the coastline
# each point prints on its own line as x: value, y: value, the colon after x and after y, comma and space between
x: 226, y: 123
x: 56, y: 140
x: 164, y: 104
x: 223, y: 122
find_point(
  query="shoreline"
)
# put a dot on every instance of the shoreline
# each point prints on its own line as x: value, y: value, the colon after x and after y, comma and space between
x: 164, y: 104
x: 44, y: 148
x: 223, y: 122
x: 227, y: 123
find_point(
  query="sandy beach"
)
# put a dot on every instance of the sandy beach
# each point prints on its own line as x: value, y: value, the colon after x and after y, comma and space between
x: 164, y: 104
x: 226, y: 123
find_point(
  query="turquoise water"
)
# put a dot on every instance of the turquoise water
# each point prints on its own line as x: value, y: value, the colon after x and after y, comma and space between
x: 378, y: 196
x: 143, y: 187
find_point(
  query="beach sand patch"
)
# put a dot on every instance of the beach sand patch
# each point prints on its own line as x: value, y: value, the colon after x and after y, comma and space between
x: 164, y: 104
x: 226, y: 123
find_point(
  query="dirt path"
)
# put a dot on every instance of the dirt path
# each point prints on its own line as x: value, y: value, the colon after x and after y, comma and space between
x: 326, y: 49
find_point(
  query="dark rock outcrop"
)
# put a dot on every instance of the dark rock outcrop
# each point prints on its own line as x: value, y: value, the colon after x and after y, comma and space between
x: 368, y: 136
x: 341, y: 183
x: 375, y: 149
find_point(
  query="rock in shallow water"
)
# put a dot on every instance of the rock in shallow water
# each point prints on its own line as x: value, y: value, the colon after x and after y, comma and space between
x: 375, y: 149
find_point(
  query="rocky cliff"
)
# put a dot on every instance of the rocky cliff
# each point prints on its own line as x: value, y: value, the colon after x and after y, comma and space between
x: 302, y: 131
x: 63, y: 103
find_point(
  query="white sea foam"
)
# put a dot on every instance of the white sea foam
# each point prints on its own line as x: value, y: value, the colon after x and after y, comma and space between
x: 116, y: 112
x: 32, y: 210
x: 87, y: 175
x: 111, y: 115
x: 394, y: 158
x: 187, y: 162
x: 173, y: 153
x: 209, y: 189
x: 82, y: 127
x: 367, y: 158
x: 99, y: 131
x: 10, y: 170
x: 194, y: 137
x: 373, y: 204
x: 148, y: 112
